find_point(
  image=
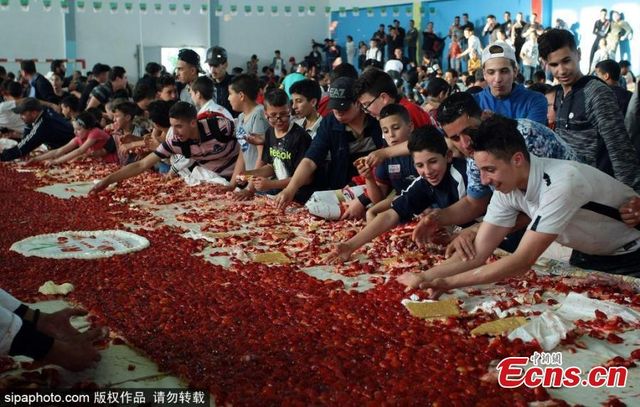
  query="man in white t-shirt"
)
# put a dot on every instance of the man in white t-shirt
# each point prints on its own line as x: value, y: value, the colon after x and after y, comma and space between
x: 568, y: 202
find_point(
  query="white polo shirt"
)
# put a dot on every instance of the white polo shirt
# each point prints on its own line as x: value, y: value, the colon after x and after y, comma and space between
x: 556, y: 193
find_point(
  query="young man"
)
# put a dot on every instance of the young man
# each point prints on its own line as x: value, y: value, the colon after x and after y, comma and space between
x: 218, y: 65
x: 101, y: 94
x: 347, y: 134
x: 39, y: 87
x: 70, y: 107
x: 503, y: 95
x: 43, y: 126
x: 609, y: 71
x: 285, y: 146
x: 166, y: 89
x: 209, y: 143
x: 375, y: 89
x: 459, y: 114
x: 441, y: 183
x: 201, y: 92
x: 572, y: 203
x: 187, y: 70
x: 305, y: 96
x: 99, y: 75
x: 587, y: 114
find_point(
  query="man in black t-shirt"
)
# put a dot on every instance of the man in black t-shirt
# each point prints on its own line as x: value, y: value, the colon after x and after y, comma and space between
x: 218, y: 64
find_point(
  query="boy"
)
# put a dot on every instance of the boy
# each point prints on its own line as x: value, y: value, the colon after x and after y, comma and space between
x: 70, y: 107
x: 201, y: 92
x: 251, y: 124
x: 566, y: 201
x: 284, y: 147
x: 440, y: 184
x: 305, y: 96
x: 127, y: 134
x: 209, y: 143
x: 166, y: 89
x: 396, y: 173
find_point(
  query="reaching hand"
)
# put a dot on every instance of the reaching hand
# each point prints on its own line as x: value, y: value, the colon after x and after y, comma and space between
x: 435, y: 288
x: 102, y: 184
x: 261, y: 183
x: 463, y: 244
x: 411, y: 280
x: 355, y: 210
x: 283, y: 198
x: 426, y: 228
x: 58, y: 324
x: 376, y: 158
x: 76, y: 353
x: 340, y: 253
x: 242, y: 195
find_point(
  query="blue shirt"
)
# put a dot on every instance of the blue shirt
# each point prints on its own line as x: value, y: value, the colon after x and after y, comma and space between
x: 541, y: 142
x: 522, y: 103
x: 398, y: 172
x: 421, y: 195
x: 335, y: 138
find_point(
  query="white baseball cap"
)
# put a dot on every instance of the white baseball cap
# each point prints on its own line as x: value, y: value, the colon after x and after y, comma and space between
x: 498, y: 49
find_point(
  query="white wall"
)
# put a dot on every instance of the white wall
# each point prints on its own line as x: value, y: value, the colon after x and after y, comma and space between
x: 243, y: 35
x: 35, y: 34
x: 112, y: 38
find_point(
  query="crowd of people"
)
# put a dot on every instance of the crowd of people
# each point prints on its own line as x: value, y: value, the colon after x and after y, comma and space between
x: 544, y: 155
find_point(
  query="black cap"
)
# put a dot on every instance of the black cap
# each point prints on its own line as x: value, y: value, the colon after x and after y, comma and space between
x: 341, y: 95
x: 100, y: 68
x: 28, y: 105
x: 216, y: 56
x: 191, y: 57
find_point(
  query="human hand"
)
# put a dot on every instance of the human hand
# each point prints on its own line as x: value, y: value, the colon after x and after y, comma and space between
x: 340, y: 253
x: 362, y: 167
x: 411, y: 280
x: 242, y: 195
x: 355, y: 210
x: 376, y: 158
x: 426, y: 227
x: 76, y: 353
x: 435, y: 288
x: 58, y: 324
x: 630, y: 212
x: 262, y: 183
x: 283, y: 198
x: 102, y: 184
x: 255, y: 139
x: 463, y: 245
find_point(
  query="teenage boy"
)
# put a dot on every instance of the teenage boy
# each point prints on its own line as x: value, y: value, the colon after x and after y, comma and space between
x: 39, y: 87
x: 285, y: 145
x: 251, y: 124
x: 305, y: 95
x: 11, y: 125
x: 441, y: 182
x: 587, y: 114
x: 201, y: 92
x: 209, y: 143
x: 187, y: 70
x: 503, y: 95
x: 127, y: 135
x: 396, y: 173
x: 101, y: 94
x: 70, y: 107
x: 43, y: 126
x: 609, y: 71
x: 375, y: 89
x: 218, y: 65
x: 166, y: 89
x: 569, y: 202
x: 348, y: 134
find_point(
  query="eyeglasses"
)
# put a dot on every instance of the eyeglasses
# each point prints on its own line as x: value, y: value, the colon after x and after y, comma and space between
x: 278, y: 117
x: 365, y: 107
